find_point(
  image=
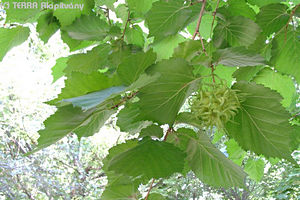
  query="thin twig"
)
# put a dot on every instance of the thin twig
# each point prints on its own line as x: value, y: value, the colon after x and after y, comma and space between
x: 124, y: 100
x: 212, y: 73
x: 107, y: 16
x: 151, y: 186
x: 128, y: 19
x: 290, y: 19
x: 214, y: 18
x: 199, y: 19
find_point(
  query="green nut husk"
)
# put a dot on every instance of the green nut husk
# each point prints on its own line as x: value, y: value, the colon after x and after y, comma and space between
x: 214, y: 106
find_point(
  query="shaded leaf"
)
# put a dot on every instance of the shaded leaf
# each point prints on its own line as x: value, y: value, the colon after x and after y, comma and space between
x: 246, y: 73
x: 47, y: 26
x: 152, y: 131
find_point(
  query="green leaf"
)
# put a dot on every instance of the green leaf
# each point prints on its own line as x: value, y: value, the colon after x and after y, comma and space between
x: 152, y: 130
x: 261, y: 3
x: 135, y: 36
x: 47, y: 26
x: 58, y: 68
x: 165, y: 48
x: 168, y: 18
x: 93, y: 99
x: 74, y: 44
x: 207, y: 162
x: 235, y: 152
x: 133, y: 66
x: 284, y: 85
x: 161, y: 100
x: 237, y: 56
x: 205, y: 27
x: 94, y: 123
x: 22, y: 14
x: 247, y: 73
x: 262, y: 124
x: 156, y: 196
x: 10, y: 38
x: 240, y: 8
x: 188, y: 118
x: 126, y: 119
x: 67, y: 16
x: 255, y: 169
x: 88, y: 28
x: 89, y: 62
x: 272, y: 18
x: 155, y: 160
x: 235, y: 31
x: 79, y: 84
x: 286, y: 51
x: 65, y: 120
x: 140, y: 6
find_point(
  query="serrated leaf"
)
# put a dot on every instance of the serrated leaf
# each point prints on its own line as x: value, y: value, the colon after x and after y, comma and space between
x: 246, y: 73
x: 152, y: 131
x: 261, y: 3
x: 93, y: 99
x: 284, y: 85
x: 63, y: 122
x: 262, y: 124
x: 156, y: 160
x: 240, y: 8
x: 272, y: 18
x: 58, y: 68
x: 165, y: 48
x: 10, y: 38
x: 89, y: 62
x: 255, y: 169
x: 135, y: 36
x: 235, y: 152
x: 68, y: 16
x: 161, y: 100
x: 235, y: 31
x: 207, y: 162
x: 168, y: 18
x: 94, y: 124
x: 133, y: 66
x: 237, y: 56
x: 126, y: 119
x: 140, y: 6
x: 88, y: 28
x: 47, y: 26
x: 79, y: 84
x: 74, y: 44
x: 286, y: 51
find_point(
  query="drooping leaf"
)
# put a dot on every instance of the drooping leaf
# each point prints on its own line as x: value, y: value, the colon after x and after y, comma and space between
x: 286, y: 51
x: 65, y: 120
x: 235, y: 152
x: 152, y: 130
x: 161, y: 100
x: 165, y: 48
x: 237, y: 56
x: 168, y: 18
x: 272, y: 18
x: 68, y: 16
x: 188, y: 118
x: 89, y: 62
x: 10, y: 38
x: 255, y: 169
x: 93, y: 99
x: 262, y: 124
x: 93, y: 125
x: 58, y: 68
x: 208, y: 163
x: 74, y: 44
x: 235, y: 31
x: 47, y: 26
x: 140, y: 6
x: 246, y: 73
x: 88, y: 28
x: 79, y: 84
x: 133, y: 66
x: 155, y: 160
x: 135, y: 35
x: 126, y: 119
x: 284, y: 85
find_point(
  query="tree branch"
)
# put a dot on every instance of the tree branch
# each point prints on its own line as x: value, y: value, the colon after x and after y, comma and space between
x: 124, y: 31
x: 151, y: 186
x: 214, y: 18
